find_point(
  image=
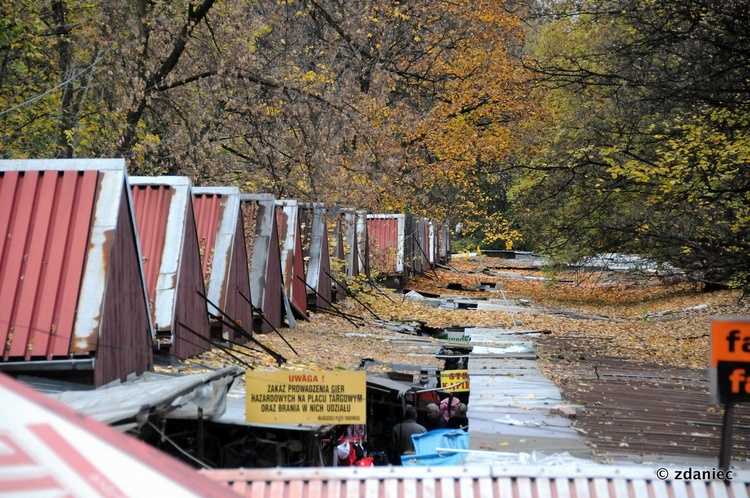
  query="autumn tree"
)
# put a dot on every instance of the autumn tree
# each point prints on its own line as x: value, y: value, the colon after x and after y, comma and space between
x: 643, y: 145
x: 46, y: 89
x: 98, y: 78
x: 376, y: 104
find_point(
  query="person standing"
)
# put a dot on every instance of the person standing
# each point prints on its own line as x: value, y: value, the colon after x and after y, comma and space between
x: 401, y: 435
x: 459, y: 420
x: 434, y: 419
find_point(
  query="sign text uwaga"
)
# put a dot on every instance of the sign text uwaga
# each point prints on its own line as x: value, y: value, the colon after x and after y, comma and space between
x: 730, y: 360
x: 306, y: 397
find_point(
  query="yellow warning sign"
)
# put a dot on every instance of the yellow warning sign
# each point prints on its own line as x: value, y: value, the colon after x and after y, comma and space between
x: 454, y: 381
x: 313, y: 397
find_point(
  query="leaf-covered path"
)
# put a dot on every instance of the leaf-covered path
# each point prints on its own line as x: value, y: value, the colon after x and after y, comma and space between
x: 633, y: 350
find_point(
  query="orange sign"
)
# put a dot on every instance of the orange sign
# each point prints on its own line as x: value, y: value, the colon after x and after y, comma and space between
x: 730, y: 360
x: 730, y: 340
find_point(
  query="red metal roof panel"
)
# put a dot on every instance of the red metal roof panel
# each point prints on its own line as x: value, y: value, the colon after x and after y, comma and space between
x: 171, y: 259
x: 151, y: 204
x: 50, y: 450
x: 209, y: 208
x: 224, y: 258
x: 590, y: 481
x: 386, y: 234
x: 46, y: 219
x: 63, y: 223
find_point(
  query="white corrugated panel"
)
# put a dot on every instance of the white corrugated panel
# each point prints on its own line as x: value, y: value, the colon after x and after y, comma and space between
x: 595, y: 481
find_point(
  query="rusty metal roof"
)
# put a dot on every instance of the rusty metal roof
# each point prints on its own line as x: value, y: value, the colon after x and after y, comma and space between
x: 319, y: 265
x: 262, y: 239
x: 635, y: 410
x: 161, y: 216
x: 292, y: 264
x: 216, y: 213
x: 57, y: 220
x: 386, y: 233
x: 595, y: 481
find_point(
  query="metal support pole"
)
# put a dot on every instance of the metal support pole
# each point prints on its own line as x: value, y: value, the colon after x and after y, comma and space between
x: 725, y: 456
x: 200, y: 434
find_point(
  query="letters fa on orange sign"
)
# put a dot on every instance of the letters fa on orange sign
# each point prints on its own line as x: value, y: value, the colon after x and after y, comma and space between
x: 730, y: 360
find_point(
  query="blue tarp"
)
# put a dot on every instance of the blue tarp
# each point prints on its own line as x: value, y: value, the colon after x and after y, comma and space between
x: 426, y: 448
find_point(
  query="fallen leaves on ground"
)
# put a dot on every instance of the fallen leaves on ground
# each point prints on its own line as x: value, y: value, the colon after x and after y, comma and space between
x: 634, y: 317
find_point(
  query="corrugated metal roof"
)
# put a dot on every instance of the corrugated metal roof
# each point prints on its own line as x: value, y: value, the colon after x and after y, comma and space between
x: 595, y: 481
x: 292, y: 264
x: 510, y: 399
x: 261, y: 237
x: 50, y: 450
x: 216, y: 212
x: 161, y: 215
x: 57, y: 223
x: 129, y: 404
x: 386, y: 233
x: 635, y: 409
x: 171, y: 257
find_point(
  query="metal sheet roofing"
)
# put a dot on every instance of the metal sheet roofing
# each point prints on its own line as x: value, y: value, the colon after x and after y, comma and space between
x: 292, y: 264
x: 261, y: 237
x: 38, y: 245
x: 634, y: 410
x: 595, y: 481
x: 172, y: 263
x: 510, y: 399
x: 161, y: 216
x: 386, y: 234
x: 57, y: 224
x: 130, y: 403
x: 50, y: 450
x: 216, y: 212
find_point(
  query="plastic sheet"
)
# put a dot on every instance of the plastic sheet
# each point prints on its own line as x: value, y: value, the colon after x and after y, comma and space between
x: 427, y: 444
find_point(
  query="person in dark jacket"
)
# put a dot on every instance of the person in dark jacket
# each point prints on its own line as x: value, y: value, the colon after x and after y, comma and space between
x: 402, y: 433
x: 459, y: 420
x: 434, y: 419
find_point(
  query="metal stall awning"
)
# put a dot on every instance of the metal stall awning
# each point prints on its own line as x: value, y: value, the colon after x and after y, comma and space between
x: 128, y: 405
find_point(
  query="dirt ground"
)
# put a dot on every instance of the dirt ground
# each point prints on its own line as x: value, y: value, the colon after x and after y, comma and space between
x: 609, y: 341
x: 664, y: 321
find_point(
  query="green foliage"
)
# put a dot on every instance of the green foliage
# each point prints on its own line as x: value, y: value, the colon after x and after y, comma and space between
x: 464, y: 244
x: 641, y: 145
x: 740, y: 280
